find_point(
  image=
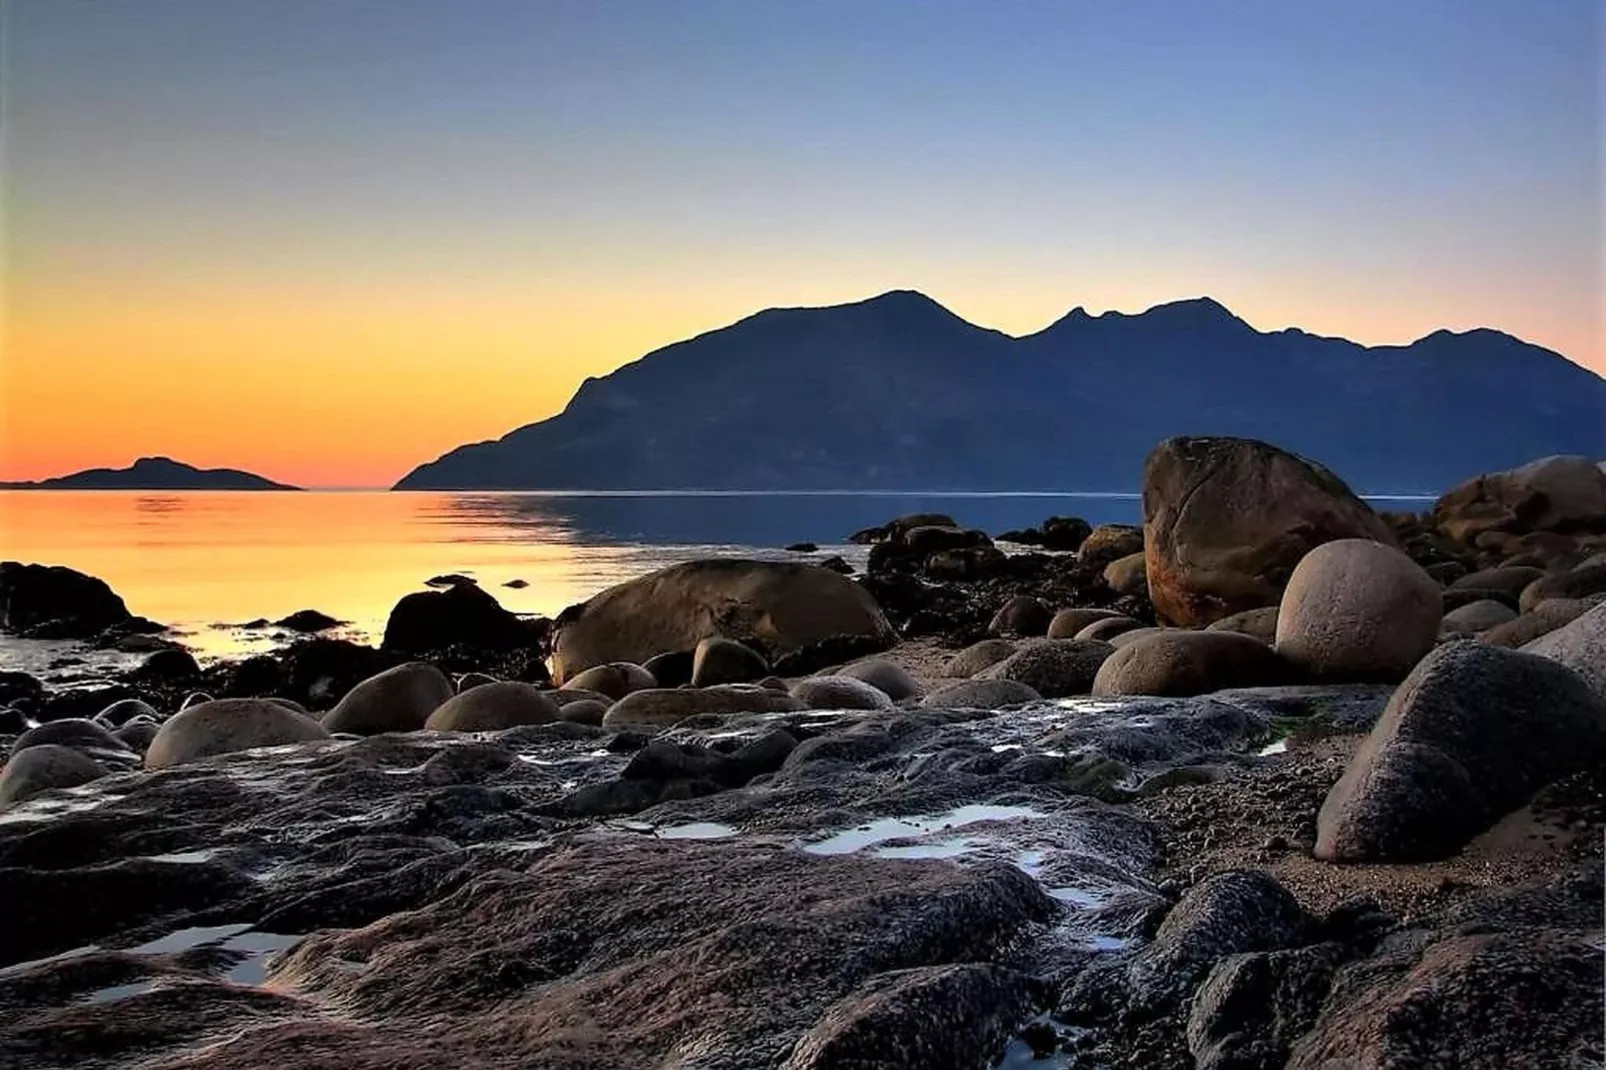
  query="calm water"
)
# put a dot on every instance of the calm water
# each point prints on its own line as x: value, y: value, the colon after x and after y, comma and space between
x: 199, y: 560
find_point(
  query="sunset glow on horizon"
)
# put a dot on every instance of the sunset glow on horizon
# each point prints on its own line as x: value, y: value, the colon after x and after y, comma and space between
x: 328, y: 242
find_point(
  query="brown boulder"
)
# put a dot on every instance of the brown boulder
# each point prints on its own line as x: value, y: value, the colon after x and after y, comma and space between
x: 226, y: 725
x: 1565, y: 494
x: 615, y: 679
x: 978, y: 656
x: 1260, y: 623
x: 1543, y: 619
x: 1127, y: 575
x: 1181, y: 663
x: 1068, y: 622
x: 1110, y: 542
x: 1225, y: 521
x: 786, y: 605
x: 1022, y: 615
x: 661, y: 706
x: 1581, y: 582
x: 493, y: 707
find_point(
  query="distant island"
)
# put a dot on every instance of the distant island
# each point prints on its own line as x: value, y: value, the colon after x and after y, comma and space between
x: 898, y: 393
x: 155, y: 473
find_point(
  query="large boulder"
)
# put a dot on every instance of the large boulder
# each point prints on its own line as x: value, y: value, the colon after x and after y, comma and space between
x: 1470, y: 735
x: 1357, y: 610
x: 226, y: 725
x: 1580, y: 645
x: 49, y: 765
x: 1543, y: 619
x: 1110, y: 542
x: 74, y: 732
x: 663, y: 706
x: 1564, y: 494
x: 1225, y: 520
x: 1179, y: 663
x: 493, y: 707
x: 463, y: 614
x: 786, y: 605
x: 1054, y: 668
x: 56, y: 602
x: 397, y: 700
x: 1128, y: 575
x: 1477, y: 617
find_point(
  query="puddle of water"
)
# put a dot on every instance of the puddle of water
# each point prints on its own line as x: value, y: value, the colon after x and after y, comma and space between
x: 942, y: 849
x: 1085, y: 898
x: 697, y: 830
x: 1030, y: 862
x: 259, y: 948
x: 206, y: 854
x: 1000, y: 748
x: 184, y: 939
x: 1018, y: 1054
x: 899, y: 828
x: 117, y: 992
x: 1277, y: 747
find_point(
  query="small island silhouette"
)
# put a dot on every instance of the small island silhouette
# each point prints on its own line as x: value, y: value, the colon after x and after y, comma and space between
x: 154, y: 473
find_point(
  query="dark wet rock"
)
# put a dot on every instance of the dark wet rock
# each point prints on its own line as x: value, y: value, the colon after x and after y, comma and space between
x: 492, y: 708
x: 1022, y: 615
x: 1478, y: 1001
x: 1176, y: 662
x: 56, y: 602
x: 1260, y: 623
x: 981, y: 695
x: 1357, y: 610
x: 802, y: 548
x: 884, y: 676
x: 671, y: 669
x: 517, y: 584
x: 616, y: 679
x: 964, y: 565
x: 137, y: 735
x: 1580, y: 645
x: 81, y: 702
x: 1253, y: 1006
x: 1108, y: 543
x: 1227, y: 519
x: 565, y: 696
x: 1508, y: 580
x: 839, y: 693
x: 19, y: 685
x: 895, y: 529
x: 250, y: 677
x: 12, y: 720
x: 1469, y: 736
x: 978, y: 656
x: 1580, y: 582
x: 1068, y: 623
x: 125, y: 710
x: 785, y: 605
x: 824, y: 653
x: 1107, y: 629
x: 451, y: 579
x: 662, y: 706
x: 584, y: 711
x: 470, y: 680
x: 172, y: 664
x: 956, y: 1016
x: 462, y: 614
x: 1476, y: 617
x: 322, y: 670
x: 836, y: 563
x: 725, y: 661
x: 1053, y: 668
x: 227, y: 725
x: 396, y: 700
x: 72, y: 732
x: 471, y: 763
x: 934, y: 538
x: 1063, y: 533
x: 43, y: 766
x: 308, y: 621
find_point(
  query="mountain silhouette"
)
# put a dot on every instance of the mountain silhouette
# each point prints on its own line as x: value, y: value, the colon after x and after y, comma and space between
x: 155, y: 473
x: 897, y: 392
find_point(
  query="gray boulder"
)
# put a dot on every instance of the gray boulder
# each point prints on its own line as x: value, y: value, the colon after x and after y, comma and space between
x: 1054, y: 668
x: 43, y: 767
x: 981, y: 695
x: 1179, y: 663
x: 1069, y: 623
x: 1108, y: 628
x: 1508, y: 579
x: 1542, y: 619
x: 978, y: 656
x: 397, y: 700
x: 1260, y: 623
x: 226, y: 725
x: 494, y: 707
x: 1357, y: 610
x: 74, y: 732
x: 615, y: 679
x: 884, y: 676
x: 1579, y: 645
x: 1470, y: 735
x: 840, y: 693
x: 1476, y: 617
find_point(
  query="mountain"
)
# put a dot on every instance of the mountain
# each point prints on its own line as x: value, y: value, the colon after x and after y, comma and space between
x: 155, y: 473
x: 897, y: 392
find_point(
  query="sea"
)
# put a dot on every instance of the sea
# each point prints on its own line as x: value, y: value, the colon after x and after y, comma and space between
x: 206, y: 563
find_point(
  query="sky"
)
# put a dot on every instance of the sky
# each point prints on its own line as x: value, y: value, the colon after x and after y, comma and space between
x: 327, y: 240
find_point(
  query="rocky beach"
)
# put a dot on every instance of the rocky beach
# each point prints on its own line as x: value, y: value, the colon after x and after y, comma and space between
x: 1271, y: 780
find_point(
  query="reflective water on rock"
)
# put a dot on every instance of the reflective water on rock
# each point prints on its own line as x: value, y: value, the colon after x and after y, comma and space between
x: 899, y: 828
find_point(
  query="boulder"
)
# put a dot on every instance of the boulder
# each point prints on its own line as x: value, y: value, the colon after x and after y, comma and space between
x: 41, y: 768
x: 1475, y: 617
x: 725, y: 661
x: 586, y: 711
x: 934, y: 538
x: 1108, y: 628
x: 616, y: 679
x: 1357, y: 610
x: 1580, y: 645
x: 308, y: 621
x: 1256, y: 1004
x: 1127, y: 575
x: 1565, y: 494
x: 173, y: 663
x: 785, y: 605
x: 226, y: 725
x: 1581, y: 582
x: 981, y: 695
x: 1065, y: 533
x: 396, y: 700
x: 1022, y: 615
x: 895, y: 529
x: 74, y: 732
x: 671, y: 669
x: 56, y: 602
x: 1543, y: 619
x: 137, y: 735
x: 462, y: 614
x: 885, y: 677
x: 1179, y: 663
x: 978, y: 656
x: 1110, y: 542
x: 1067, y: 623
x: 840, y: 693
x: 1507, y: 579
x: 1260, y: 623
x: 1054, y: 668
x: 1225, y: 521
x: 470, y: 680
x: 1127, y: 638
x: 493, y: 707
x: 664, y: 706
x: 1470, y: 735
x: 124, y: 710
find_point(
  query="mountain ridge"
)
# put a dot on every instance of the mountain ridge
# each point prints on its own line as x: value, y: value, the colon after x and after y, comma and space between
x: 153, y: 473
x: 897, y: 391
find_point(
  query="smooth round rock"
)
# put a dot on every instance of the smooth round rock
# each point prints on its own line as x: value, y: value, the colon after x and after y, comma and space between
x: 1357, y: 610
x: 470, y: 680
x: 725, y: 661
x: 981, y: 695
x: 1260, y: 623
x: 1127, y: 575
x: 884, y: 676
x: 137, y: 735
x: 1054, y: 668
x: 584, y: 711
x: 1023, y: 616
x: 397, y: 700
x: 1179, y: 663
x: 667, y: 706
x: 1475, y: 617
x: 1069, y: 623
x: 194, y: 698
x: 124, y: 710
x: 72, y: 732
x: 616, y: 679
x: 1103, y: 631
x: 41, y: 768
x: 227, y: 725
x: 978, y: 656
x: 671, y: 669
x: 840, y: 693
x: 494, y: 707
